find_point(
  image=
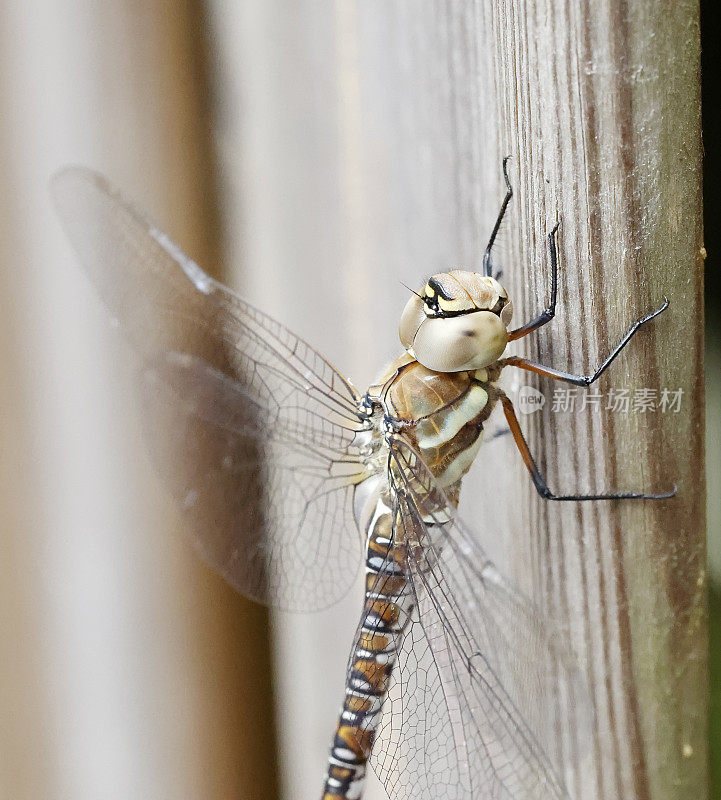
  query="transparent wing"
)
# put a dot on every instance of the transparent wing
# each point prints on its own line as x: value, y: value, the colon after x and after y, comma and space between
x: 269, y: 508
x: 483, y: 687
x: 165, y: 302
x: 269, y: 422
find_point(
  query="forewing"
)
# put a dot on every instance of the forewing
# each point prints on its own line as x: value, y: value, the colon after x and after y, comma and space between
x: 165, y: 302
x: 483, y: 686
x: 252, y: 428
x: 269, y: 508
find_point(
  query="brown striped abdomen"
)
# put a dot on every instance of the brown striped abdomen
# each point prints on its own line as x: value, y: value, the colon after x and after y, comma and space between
x: 385, y: 614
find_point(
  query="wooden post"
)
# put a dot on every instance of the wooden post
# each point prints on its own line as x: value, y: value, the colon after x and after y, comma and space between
x: 599, y: 105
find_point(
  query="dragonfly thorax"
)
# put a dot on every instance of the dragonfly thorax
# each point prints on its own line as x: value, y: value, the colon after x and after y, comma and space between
x: 457, y: 322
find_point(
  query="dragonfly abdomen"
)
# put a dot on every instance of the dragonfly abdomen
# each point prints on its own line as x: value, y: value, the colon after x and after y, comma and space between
x: 387, y: 609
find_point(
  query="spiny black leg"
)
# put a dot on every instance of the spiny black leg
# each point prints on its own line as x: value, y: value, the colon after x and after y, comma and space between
x: 584, y: 380
x: 540, y: 483
x: 499, y: 220
x: 550, y: 312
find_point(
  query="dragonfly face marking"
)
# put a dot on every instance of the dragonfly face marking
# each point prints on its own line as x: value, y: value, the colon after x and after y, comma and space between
x: 459, y: 321
x: 272, y: 454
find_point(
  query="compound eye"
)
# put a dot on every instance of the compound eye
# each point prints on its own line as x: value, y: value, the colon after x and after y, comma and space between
x: 463, y: 342
x: 414, y: 314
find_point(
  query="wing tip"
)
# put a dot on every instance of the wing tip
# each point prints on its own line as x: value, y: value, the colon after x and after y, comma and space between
x: 66, y: 182
x: 72, y: 173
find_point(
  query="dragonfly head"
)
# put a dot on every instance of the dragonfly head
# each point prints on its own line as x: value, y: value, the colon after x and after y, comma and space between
x: 459, y: 321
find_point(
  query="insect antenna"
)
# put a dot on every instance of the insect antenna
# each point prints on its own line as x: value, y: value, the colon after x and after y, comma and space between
x: 411, y: 290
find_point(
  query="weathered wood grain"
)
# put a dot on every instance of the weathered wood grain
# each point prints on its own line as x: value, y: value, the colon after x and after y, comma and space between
x: 600, y: 102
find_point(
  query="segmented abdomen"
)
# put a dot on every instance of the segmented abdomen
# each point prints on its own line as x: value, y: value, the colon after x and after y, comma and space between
x: 388, y: 604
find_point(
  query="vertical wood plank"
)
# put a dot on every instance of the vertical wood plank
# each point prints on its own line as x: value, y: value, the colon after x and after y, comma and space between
x: 604, y: 116
x: 128, y: 667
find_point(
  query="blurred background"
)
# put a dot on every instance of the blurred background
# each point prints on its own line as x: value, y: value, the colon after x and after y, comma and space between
x: 128, y: 669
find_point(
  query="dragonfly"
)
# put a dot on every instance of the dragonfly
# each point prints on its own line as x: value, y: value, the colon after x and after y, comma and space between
x: 290, y: 479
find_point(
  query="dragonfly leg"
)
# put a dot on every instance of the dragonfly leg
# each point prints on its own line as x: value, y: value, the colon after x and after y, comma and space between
x: 550, y: 312
x: 499, y: 220
x: 583, y: 380
x: 538, y: 479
